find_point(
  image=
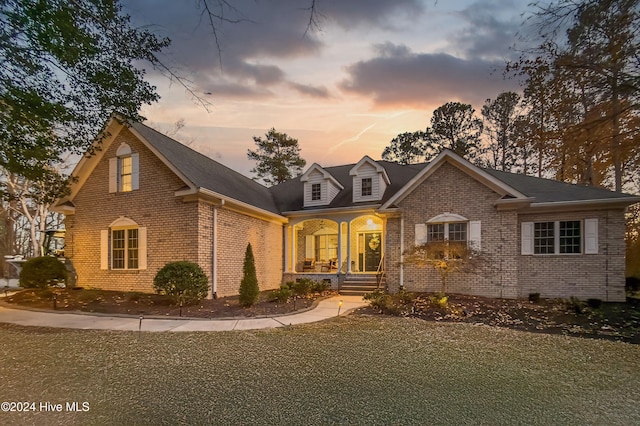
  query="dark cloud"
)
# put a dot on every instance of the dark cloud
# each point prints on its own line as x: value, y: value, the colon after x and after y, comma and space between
x: 492, y: 29
x: 255, y: 36
x: 400, y: 77
x: 381, y: 13
x: 313, y: 91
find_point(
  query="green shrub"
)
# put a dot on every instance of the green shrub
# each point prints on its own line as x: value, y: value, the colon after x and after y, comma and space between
x: 400, y: 303
x: 281, y: 295
x: 183, y: 281
x: 43, y: 271
x: 320, y: 286
x: 249, y: 289
x: 302, y: 287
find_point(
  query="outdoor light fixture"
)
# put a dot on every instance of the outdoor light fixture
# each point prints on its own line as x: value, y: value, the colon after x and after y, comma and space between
x: 55, y: 299
x: 339, y: 307
x: 140, y: 325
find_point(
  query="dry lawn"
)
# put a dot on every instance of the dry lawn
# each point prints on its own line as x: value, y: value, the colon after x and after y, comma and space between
x: 351, y: 370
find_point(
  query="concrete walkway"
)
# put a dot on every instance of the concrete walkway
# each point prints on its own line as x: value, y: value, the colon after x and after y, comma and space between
x: 325, y: 309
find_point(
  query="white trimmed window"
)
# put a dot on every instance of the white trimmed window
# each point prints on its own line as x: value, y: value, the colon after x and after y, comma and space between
x: 367, y: 187
x: 316, y: 192
x: 450, y: 228
x: 124, y: 170
x: 123, y: 246
x: 560, y: 237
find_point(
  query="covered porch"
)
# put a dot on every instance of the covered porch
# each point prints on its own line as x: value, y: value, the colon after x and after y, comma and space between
x: 323, y: 245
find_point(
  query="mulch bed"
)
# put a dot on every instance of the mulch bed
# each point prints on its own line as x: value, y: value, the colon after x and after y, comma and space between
x: 615, y: 321
x: 117, y: 302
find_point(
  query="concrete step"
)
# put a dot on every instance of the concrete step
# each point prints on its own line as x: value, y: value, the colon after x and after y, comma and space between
x: 361, y: 284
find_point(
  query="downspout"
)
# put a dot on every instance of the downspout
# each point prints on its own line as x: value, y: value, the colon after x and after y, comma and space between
x: 214, y: 254
x: 402, y: 252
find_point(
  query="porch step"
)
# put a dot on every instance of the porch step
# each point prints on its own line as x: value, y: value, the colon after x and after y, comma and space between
x: 359, y: 285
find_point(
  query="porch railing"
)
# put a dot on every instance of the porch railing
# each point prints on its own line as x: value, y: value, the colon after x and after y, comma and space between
x: 380, y: 272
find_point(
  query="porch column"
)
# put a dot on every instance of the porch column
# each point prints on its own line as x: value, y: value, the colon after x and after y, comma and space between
x: 339, y: 265
x: 287, y: 248
x: 294, y: 248
x: 349, y: 247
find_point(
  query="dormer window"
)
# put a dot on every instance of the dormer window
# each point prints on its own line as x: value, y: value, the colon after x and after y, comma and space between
x: 316, y: 192
x: 123, y: 170
x: 367, y: 187
x: 370, y: 181
x: 320, y: 188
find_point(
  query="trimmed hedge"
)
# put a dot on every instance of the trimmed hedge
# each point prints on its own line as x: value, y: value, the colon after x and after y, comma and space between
x: 43, y: 271
x: 183, y: 281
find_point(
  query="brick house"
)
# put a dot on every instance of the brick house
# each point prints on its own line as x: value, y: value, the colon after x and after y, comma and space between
x: 144, y: 200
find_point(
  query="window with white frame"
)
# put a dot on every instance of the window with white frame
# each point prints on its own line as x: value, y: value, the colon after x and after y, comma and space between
x: 452, y: 230
x: 316, y: 191
x: 124, y: 174
x: 124, y: 170
x: 123, y: 246
x: 560, y: 237
x: 367, y: 187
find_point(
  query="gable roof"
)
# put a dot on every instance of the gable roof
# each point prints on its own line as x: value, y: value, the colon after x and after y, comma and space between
x: 553, y: 191
x: 497, y: 185
x: 203, y: 172
x: 325, y: 175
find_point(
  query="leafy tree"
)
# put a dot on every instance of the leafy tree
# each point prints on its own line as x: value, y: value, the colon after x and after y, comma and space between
x: 590, y: 51
x: 454, y: 126
x: 278, y: 157
x: 249, y: 289
x: 500, y: 117
x: 406, y: 148
x: 66, y: 67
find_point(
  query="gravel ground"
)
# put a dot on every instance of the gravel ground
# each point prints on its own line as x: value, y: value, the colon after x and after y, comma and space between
x: 352, y: 370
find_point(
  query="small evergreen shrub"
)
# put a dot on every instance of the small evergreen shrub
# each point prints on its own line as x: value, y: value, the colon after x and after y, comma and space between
x: 400, y: 303
x: 320, y: 286
x: 41, y: 272
x: 302, y: 287
x: 281, y: 295
x: 249, y: 289
x: 534, y: 297
x: 183, y: 281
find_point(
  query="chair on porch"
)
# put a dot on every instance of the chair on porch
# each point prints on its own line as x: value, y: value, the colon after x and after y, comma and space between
x: 330, y: 265
x: 308, y: 265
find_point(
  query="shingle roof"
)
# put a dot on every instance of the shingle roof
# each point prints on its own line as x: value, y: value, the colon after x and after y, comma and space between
x: 547, y: 190
x: 206, y: 173
x: 289, y: 195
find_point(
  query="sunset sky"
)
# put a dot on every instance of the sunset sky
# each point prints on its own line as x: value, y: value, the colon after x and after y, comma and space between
x: 373, y: 69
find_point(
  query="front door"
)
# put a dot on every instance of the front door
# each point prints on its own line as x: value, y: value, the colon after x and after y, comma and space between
x: 372, y: 251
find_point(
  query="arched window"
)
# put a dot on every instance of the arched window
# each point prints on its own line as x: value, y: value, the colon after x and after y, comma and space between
x: 449, y: 230
x: 124, y: 170
x: 124, y: 245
